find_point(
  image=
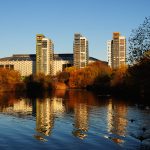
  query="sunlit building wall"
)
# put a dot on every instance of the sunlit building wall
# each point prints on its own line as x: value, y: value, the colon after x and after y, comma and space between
x: 23, y: 63
x: 122, y: 50
x: 80, y: 51
x: 109, y: 44
x: 26, y: 63
x: 116, y: 49
x: 44, y: 55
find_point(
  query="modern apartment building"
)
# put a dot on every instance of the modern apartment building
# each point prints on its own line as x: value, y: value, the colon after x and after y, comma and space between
x: 109, y: 44
x: 116, y: 49
x: 44, y: 55
x: 80, y: 51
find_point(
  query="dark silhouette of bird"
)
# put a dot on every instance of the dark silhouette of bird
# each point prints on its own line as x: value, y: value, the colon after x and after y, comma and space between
x: 141, y: 138
x: 144, y: 129
x: 132, y: 120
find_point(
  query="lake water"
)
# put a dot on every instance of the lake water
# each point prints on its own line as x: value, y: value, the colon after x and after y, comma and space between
x: 73, y: 120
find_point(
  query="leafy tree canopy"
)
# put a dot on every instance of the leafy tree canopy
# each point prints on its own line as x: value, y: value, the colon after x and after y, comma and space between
x: 139, y: 42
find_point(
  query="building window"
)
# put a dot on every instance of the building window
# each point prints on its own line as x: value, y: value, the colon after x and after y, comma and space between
x: 11, y: 67
x: 82, y: 64
x: 1, y: 66
x: 44, y: 44
x: 82, y: 56
x: 7, y: 66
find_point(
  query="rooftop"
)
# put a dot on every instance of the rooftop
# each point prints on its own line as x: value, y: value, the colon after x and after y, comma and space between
x: 32, y: 57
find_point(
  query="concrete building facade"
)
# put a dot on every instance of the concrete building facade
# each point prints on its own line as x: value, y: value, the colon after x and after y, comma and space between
x: 80, y: 51
x: 109, y: 44
x: 44, y: 55
x: 26, y: 63
x: 23, y: 63
x: 116, y: 49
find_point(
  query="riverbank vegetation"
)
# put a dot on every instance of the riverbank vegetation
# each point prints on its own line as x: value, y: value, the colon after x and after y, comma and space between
x: 129, y: 80
x: 37, y: 85
x: 99, y: 77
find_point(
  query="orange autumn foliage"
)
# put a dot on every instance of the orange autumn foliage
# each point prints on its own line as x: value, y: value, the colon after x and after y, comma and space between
x: 9, y: 79
x: 81, y: 78
x: 119, y: 76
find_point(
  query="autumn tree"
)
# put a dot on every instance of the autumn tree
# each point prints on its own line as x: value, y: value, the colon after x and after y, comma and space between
x: 9, y: 79
x: 38, y: 83
x: 118, y: 76
x: 139, y: 42
x: 63, y: 76
x: 101, y: 75
x: 139, y: 55
x: 88, y: 76
x: 138, y: 77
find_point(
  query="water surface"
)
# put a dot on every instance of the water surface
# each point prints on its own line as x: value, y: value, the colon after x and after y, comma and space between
x: 73, y: 120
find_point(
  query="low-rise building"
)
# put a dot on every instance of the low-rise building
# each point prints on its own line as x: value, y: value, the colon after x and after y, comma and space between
x: 23, y: 63
x: 26, y: 63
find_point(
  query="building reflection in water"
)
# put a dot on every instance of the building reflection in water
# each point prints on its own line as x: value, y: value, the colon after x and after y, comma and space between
x: 81, y: 121
x: 22, y: 106
x: 46, y: 110
x: 44, y: 116
x: 16, y: 107
x: 76, y: 101
x: 79, y: 102
x: 116, y: 120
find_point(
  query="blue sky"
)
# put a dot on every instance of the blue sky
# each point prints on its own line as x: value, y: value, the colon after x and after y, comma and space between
x: 21, y: 20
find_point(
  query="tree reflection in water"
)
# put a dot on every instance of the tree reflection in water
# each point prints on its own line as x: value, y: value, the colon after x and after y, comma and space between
x: 80, y: 114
